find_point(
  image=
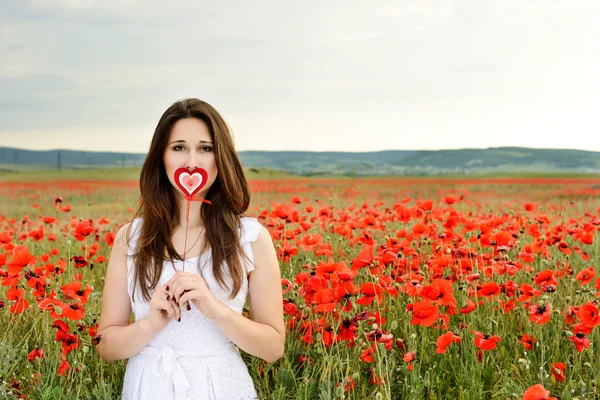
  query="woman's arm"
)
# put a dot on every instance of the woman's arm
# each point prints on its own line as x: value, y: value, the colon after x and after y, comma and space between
x: 264, y: 336
x: 120, y: 340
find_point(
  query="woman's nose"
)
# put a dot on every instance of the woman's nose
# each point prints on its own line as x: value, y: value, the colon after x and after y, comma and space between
x: 192, y: 162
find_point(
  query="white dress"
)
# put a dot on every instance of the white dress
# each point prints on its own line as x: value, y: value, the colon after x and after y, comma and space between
x: 191, y: 359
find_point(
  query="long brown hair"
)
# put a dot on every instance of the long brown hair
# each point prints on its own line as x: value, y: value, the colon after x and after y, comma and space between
x: 159, y: 210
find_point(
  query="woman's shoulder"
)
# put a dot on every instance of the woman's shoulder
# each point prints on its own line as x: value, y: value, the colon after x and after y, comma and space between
x: 128, y: 233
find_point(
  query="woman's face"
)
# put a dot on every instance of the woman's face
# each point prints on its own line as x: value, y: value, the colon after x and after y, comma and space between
x: 190, y: 145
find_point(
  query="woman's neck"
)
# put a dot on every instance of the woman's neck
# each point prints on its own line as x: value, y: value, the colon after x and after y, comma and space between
x: 194, y: 218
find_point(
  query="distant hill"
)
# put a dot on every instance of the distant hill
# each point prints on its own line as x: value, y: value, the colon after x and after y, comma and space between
x: 391, y: 162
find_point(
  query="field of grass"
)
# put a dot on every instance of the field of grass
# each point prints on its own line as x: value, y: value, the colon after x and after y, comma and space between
x: 466, y: 287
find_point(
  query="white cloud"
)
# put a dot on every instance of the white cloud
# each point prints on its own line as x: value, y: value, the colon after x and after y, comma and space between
x: 15, y: 70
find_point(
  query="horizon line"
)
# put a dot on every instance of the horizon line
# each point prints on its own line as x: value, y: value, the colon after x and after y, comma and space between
x: 317, y: 151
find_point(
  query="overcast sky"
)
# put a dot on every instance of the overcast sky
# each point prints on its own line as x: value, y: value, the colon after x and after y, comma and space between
x: 305, y: 75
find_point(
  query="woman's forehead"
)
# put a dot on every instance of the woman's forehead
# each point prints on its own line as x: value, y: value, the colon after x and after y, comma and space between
x: 191, y: 130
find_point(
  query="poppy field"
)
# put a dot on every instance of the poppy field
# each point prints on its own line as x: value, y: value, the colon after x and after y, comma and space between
x: 394, y: 288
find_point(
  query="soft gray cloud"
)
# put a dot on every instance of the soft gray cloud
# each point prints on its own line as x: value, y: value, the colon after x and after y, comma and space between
x: 311, y: 75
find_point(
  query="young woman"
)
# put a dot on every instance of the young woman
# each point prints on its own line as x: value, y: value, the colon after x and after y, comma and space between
x: 189, y: 325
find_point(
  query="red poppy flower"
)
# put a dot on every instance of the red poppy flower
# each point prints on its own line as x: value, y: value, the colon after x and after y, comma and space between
x: 110, y: 238
x: 61, y: 326
x: 310, y: 241
x: 329, y: 337
x: 420, y: 229
x: 64, y: 366
x: 527, y: 341
x: 409, y: 358
x: 545, y: 277
x: 74, y: 311
x: 537, y: 392
x: 286, y: 252
x: 367, y: 354
x: 425, y: 205
x: 449, y: 199
x: 508, y: 306
x: 35, y: 353
x: 289, y: 307
x: 6, y: 237
x: 370, y: 292
x: 558, y: 371
x: 589, y: 318
x: 38, y: 285
x: 540, y: 314
x: 423, y: 313
x: 486, y: 341
x: 468, y: 308
x: 282, y: 211
x: 55, y: 306
x: 586, y: 276
x: 74, y: 291
x: 580, y: 341
x: 18, y: 296
x: 364, y: 258
x: 83, y: 229
x: 93, y: 329
x: 79, y: 261
x: 442, y: 261
x: 527, y: 292
x: 489, y: 289
x: 440, y: 292
x: 20, y: 259
x: 348, y: 329
x: 446, y: 340
x: 325, y: 299
x: 325, y: 212
x: 327, y: 268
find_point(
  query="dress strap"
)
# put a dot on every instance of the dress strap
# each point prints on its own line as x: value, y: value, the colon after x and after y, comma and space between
x: 136, y: 226
x: 250, y: 229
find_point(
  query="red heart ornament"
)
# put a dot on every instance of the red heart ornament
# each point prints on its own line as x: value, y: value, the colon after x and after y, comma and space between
x: 191, y: 182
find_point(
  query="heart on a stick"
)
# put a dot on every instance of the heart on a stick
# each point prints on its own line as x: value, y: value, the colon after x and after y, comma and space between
x: 191, y: 182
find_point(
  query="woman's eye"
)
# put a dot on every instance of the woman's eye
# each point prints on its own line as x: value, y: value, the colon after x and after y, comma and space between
x: 206, y: 148
x: 177, y: 147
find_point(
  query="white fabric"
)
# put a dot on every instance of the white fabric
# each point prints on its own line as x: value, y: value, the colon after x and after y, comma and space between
x: 191, y: 359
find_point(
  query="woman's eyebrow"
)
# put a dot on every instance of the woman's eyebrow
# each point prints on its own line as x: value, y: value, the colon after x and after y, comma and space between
x: 183, y: 141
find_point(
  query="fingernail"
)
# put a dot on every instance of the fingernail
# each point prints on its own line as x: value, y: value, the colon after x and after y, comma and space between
x: 188, y: 307
x: 168, y: 297
x: 179, y: 320
x: 167, y: 288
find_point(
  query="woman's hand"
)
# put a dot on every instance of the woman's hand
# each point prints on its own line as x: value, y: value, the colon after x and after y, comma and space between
x: 184, y: 287
x: 163, y: 308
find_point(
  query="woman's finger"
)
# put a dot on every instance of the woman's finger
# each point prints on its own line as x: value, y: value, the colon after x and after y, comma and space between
x: 187, y: 296
x: 185, y: 304
x: 176, y: 309
x: 183, y: 287
x: 164, y: 305
x: 178, y: 286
